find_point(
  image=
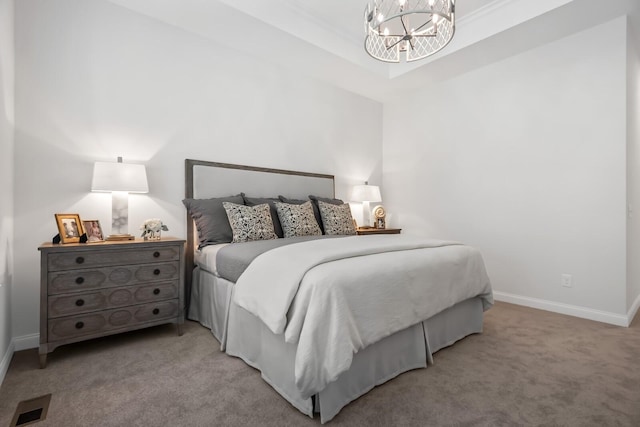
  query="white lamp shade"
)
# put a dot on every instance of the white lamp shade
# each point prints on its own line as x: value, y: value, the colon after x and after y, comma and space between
x: 119, y: 177
x: 366, y: 193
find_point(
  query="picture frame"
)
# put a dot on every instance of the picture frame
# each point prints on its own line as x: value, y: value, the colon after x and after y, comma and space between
x: 69, y: 227
x: 93, y: 229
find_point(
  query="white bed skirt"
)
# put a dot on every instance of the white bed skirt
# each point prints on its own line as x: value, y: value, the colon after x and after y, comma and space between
x: 210, y: 300
x: 243, y: 335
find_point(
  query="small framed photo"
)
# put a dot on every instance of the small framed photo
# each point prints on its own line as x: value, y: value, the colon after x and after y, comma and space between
x: 94, y: 230
x: 69, y: 227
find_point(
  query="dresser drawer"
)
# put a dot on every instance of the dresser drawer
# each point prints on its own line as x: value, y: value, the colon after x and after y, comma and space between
x: 77, y: 303
x: 64, y: 328
x: 102, y: 258
x: 86, y: 279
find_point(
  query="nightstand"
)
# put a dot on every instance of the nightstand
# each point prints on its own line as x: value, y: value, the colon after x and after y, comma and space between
x: 367, y: 231
x: 90, y: 290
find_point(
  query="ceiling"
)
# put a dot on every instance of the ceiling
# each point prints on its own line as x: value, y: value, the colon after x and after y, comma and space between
x: 324, y: 38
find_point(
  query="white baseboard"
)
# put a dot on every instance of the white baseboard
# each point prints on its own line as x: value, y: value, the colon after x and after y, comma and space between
x: 571, y: 310
x: 6, y: 360
x: 17, y: 344
x: 26, y: 342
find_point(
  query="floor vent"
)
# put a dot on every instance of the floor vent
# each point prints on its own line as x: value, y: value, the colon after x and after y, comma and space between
x: 31, y: 411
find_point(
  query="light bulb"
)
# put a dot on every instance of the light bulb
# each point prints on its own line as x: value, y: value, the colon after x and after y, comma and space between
x: 431, y: 2
x: 380, y: 17
x: 386, y: 32
x: 435, y: 19
x: 402, y: 2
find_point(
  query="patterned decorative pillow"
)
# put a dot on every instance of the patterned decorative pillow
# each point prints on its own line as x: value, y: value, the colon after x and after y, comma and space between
x: 250, y: 222
x: 336, y: 219
x: 254, y: 201
x: 314, y: 204
x: 316, y: 207
x: 297, y: 220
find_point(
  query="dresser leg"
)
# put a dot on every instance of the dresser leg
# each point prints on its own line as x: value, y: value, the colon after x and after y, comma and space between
x: 179, y: 325
x: 43, y: 361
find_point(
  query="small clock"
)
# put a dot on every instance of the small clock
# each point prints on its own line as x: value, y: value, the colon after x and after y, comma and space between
x: 379, y: 215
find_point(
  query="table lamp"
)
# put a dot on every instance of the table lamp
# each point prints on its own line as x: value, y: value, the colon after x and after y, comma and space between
x: 119, y: 179
x: 366, y: 193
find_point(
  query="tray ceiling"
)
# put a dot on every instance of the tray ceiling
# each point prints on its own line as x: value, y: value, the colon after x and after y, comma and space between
x: 324, y: 38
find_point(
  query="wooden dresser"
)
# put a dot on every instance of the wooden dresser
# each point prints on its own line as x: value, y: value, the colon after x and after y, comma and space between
x: 95, y: 289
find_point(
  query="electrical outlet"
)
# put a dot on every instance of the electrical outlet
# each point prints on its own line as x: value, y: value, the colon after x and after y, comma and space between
x: 567, y: 281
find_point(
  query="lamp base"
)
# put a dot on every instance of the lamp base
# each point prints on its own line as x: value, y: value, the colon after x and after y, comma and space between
x: 366, y: 215
x: 118, y: 237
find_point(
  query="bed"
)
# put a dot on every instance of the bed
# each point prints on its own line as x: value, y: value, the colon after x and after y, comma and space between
x: 324, y: 318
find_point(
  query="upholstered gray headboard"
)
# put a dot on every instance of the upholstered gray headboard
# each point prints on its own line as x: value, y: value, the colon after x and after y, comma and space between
x: 204, y: 179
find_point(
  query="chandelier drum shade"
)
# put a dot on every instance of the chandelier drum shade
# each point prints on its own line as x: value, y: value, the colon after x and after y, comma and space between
x: 415, y: 28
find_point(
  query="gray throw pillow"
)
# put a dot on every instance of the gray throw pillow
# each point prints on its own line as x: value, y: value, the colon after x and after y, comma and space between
x: 254, y: 201
x: 211, y: 219
x: 336, y: 219
x: 284, y: 199
x: 297, y: 220
x: 250, y: 222
x: 333, y: 201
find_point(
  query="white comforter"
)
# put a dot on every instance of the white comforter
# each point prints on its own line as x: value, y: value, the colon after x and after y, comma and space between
x: 335, y: 297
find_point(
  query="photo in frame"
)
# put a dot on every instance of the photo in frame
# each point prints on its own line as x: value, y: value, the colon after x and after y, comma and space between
x: 94, y: 230
x: 69, y: 227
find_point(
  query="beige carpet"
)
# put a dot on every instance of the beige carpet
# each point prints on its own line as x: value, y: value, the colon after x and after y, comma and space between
x: 529, y: 367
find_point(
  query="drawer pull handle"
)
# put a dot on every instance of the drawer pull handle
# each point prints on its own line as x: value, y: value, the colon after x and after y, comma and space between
x: 156, y: 291
x: 156, y: 254
x: 79, y: 325
x: 80, y: 260
x: 156, y: 271
x: 80, y: 280
x: 156, y: 310
x: 80, y: 302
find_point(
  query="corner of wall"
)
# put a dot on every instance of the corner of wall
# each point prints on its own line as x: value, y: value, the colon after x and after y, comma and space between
x: 633, y: 311
x: 7, y: 137
x: 5, y: 361
x: 633, y: 163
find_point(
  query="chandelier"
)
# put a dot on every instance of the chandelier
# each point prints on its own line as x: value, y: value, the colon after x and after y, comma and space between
x: 418, y: 28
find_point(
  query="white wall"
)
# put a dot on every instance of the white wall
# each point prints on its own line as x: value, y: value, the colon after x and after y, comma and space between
x: 6, y: 180
x: 525, y: 159
x: 94, y: 81
x: 633, y: 172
